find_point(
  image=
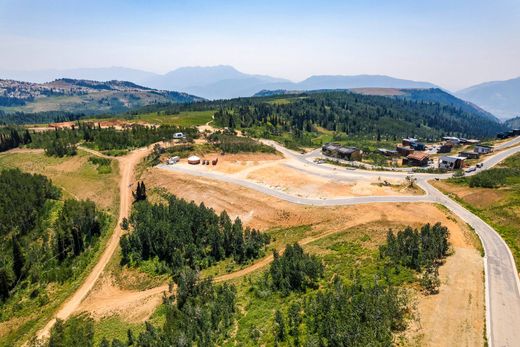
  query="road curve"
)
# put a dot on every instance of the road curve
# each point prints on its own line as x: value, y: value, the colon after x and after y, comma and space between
x: 502, y: 285
x: 501, y: 276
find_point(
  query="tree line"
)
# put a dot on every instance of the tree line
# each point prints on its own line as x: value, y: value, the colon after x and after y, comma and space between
x: 181, y: 234
x: 421, y: 251
x: 343, y: 315
x: 228, y: 142
x: 63, y: 142
x: 41, y: 237
x: 294, y: 270
x: 11, y: 138
x: 354, y: 115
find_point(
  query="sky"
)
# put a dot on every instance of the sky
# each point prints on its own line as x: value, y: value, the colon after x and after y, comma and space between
x: 452, y: 43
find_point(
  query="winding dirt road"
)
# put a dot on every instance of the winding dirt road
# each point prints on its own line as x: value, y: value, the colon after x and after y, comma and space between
x: 126, y: 170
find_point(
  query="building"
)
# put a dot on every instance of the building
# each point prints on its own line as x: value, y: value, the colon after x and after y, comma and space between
x: 451, y: 162
x: 173, y: 160
x: 417, y: 159
x: 469, y: 141
x: 178, y: 136
x: 388, y: 152
x: 194, y: 160
x: 404, y: 151
x: 481, y: 149
x: 408, y: 142
x: 338, y: 151
x: 454, y: 140
x: 445, y: 148
x: 418, y: 146
x: 469, y: 155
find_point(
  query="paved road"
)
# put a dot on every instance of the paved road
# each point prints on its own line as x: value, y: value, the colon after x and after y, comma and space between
x: 501, y: 276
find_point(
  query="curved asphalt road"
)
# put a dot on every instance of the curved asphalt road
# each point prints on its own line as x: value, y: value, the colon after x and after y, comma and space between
x: 501, y: 276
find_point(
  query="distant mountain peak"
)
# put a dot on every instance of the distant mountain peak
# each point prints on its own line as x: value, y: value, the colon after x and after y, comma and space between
x: 501, y: 98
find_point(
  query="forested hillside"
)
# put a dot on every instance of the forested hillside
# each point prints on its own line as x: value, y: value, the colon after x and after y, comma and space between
x: 45, y: 243
x: 305, y: 115
x: 183, y: 234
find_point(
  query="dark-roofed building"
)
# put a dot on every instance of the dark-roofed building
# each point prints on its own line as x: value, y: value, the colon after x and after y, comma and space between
x: 404, y: 151
x: 408, y: 141
x: 418, y: 146
x: 469, y: 155
x: 341, y: 152
x: 388, y: 152
x: 417, y: 159
x: 445, y: 148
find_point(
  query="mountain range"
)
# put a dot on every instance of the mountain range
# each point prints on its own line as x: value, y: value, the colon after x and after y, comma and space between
x: 214, y: 82
x: 82, y: 96
x: 502, y: 98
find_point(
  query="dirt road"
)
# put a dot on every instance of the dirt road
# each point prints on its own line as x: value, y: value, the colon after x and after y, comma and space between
x: 126, y: 166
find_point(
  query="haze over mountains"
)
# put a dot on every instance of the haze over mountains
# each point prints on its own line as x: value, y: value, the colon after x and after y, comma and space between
x: 214, y: 82
x: 501, y: 98
x: 225, y: 82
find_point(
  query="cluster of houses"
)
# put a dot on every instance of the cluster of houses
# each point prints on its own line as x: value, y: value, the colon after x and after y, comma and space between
x: 414, y: 152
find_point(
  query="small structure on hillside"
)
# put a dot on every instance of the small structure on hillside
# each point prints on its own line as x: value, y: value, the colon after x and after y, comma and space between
x: 445, y: 148
x: 451, y: 162
x: 481, y: 149
x: 404, y: 151
x: 194, y: 160
x: 408, y: 141
x: 418, y: 146
x: 341, y: 152
x: 388, y: 152
x: 469, y: 155
x: 173, y: 160
x: 417, y: 159
x: 178, y: 136
x: 469, y: 141
x: 452, y: 139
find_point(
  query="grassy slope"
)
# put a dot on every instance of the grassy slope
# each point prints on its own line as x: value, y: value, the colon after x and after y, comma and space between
x: 78, y: 178
x: 183, y: 119
x: 342, y: 253
x: 499, y: 207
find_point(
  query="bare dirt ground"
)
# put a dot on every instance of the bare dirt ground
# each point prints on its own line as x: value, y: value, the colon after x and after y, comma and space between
x: 271, y: 170
x: 456, y: 314
x: 293, y: 182
x: 238, y: 163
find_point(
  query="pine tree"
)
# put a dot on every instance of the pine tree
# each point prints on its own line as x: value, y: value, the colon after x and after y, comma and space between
x: 279, y: 326
x: 18, y: 259
x: 4, y: 284
x: 130, y: 337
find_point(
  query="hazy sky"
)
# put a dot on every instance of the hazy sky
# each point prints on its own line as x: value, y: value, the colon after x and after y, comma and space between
x: 452, y: 43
